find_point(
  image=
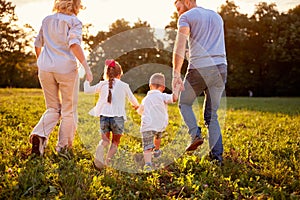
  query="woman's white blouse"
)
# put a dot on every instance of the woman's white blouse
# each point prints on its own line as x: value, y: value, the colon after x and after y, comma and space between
x: 57, y: 33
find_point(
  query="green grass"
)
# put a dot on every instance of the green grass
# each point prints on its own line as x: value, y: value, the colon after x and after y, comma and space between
x: 261, y: 159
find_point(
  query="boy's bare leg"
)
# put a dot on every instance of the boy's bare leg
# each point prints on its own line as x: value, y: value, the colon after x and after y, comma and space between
x: 157, y: 142
x: 148, y: 155
x: 157, y: 152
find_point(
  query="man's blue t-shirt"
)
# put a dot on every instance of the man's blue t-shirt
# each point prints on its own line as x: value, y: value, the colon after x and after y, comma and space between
x: 206, y: 41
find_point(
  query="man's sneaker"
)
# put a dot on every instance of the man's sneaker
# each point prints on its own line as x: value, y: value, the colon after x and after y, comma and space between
x: 217, y: 160
x: 37, y: 145
x: 217, y: 163
x: 157, y: 153
x: 197, y: 141
x: 148, y: 167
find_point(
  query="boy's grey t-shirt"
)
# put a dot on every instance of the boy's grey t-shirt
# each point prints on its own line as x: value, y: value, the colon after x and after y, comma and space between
x: 206, y: 41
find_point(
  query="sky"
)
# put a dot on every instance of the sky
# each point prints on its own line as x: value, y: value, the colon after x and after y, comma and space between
x: 102, y: 13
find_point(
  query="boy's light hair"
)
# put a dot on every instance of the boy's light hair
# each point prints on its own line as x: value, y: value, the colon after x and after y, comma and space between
x: 157, y: 79
x: 68, y: 7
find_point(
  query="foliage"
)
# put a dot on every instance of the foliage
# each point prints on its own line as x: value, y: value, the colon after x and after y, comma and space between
x: 261, y: 140
x: 17, y: 67
x: 131, y: 46
x: 262, y: 49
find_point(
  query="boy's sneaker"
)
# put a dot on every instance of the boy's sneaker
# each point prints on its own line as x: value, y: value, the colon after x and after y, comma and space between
x: 148, y: 167
x: 157, y: 153
x: 37, y: 145
x: 197, y: 141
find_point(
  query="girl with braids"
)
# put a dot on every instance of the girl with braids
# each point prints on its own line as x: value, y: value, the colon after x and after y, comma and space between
x: 111, y: 109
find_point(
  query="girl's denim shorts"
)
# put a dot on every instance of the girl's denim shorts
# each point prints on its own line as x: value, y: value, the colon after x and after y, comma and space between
x: 111, y: 124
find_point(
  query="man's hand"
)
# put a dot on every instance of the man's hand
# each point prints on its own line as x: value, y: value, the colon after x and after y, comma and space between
x: 177, y: 87
x: 177, y: 84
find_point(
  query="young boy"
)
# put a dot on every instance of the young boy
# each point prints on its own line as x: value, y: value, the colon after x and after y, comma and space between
x: 154, y: 117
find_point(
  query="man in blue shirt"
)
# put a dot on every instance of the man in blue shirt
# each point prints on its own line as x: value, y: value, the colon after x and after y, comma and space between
x: 207, y: 71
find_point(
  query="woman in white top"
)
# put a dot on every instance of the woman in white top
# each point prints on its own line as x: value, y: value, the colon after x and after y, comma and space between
x: 57, y: 46
x: 111, y: 109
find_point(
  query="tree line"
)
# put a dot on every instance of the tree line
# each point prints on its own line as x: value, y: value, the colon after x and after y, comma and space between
x: 263, y: 49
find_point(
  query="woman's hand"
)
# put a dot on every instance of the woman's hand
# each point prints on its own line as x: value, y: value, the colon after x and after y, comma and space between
x: 89, y: 75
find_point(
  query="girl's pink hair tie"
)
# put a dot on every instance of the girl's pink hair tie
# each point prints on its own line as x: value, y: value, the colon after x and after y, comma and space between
x: 110, y: 63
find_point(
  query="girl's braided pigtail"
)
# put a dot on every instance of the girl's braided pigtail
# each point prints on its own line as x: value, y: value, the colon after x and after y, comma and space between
x: 113, y: 70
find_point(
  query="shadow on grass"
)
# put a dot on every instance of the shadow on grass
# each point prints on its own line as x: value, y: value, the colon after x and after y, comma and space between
x: 54, y: 176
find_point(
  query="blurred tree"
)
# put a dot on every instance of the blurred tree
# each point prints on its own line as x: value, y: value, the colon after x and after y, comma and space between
x: 102, y: 47
x: 236, y: 38
x: 131, y: 46
x: 284, y: 54
x: 169, y: 39
x: 17, y: 67
x: 264, y: 26
x: 170, y: 29
x: 262, y: 50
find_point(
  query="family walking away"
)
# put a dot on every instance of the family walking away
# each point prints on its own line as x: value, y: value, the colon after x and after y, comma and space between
x: 206, y: 73
x: 111, y: 110
x: 57, y: 46
x: 154, y: 117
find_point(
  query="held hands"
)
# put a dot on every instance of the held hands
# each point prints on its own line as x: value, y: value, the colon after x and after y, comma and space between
x: 135, y: 107
x: 88, y: 72
x: 177, y: 85
x: 176, y: 92
x: 89, y: 75
x: 140, y: 109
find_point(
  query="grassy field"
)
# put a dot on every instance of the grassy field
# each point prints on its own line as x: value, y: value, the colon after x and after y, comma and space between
x: 261, y: 159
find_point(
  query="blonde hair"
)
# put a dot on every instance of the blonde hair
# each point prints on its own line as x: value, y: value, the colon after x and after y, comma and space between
x: 68, y: 7
x: 157, y: 79
x: 112, y: 70
x: 194, y: 1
